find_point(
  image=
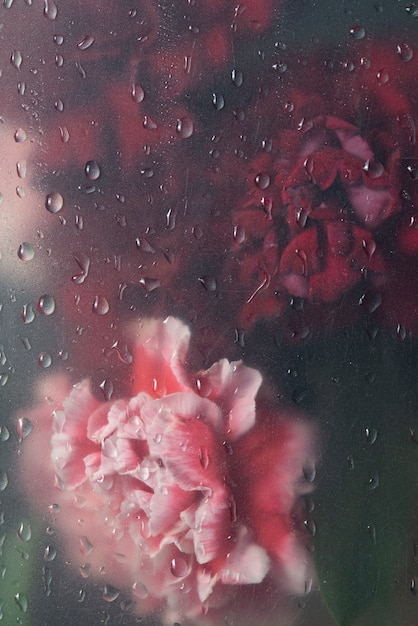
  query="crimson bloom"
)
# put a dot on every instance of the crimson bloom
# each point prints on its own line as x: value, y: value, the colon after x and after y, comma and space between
x: 325, y: 186
x: 179, y: 493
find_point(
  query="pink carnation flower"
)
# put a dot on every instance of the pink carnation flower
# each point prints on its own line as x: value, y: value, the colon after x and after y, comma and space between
x: 176, y: 493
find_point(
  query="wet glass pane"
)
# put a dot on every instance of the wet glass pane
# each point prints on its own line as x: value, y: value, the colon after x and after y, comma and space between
x: 209, y: 312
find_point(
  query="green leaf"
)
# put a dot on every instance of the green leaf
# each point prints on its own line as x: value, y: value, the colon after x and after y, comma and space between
x: 16, y: 566
x: 365, y: 398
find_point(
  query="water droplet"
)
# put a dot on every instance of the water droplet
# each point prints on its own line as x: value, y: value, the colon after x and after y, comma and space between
x: 46, y: 304
x: 262, y: 180
x: 123, y: 352
x: 110, y: 593
x: 92, y: 170
x: 310, y: 526
x: 28, y: 314
x: 85, y: 545
x: 204, y: 457
x: 86, y: 42
x: 414, y: 581
x: 218, y: 101
x: 50, y: 553
x: 24, y: 428
x: 59, y: 60
x: 47, y: 578
x: 21, y: 168
x: 373, y: 482
x: 208, y: 282
x: 50, y: 9
x: 140, y: 591
x: 4, y: 433
x: 20, y: 135
x: 150, y: 284
x: 309, y: 473
x: 237, y: 77
x: 371, y: 435
x: 382, y: 76
x: 107, y: 389
x: 59, y: 105
x: 20, y: 192
x: 16, y: 59
x: 357, y: 32
x: 4, y: 377
x: 58, y: 39
x: 22, y: 602
x: 24, y: 532
x: 101, y: 305
x: 26, y: 251
x: 44, y: 359
x: 179, y: 567
x: 85, y: 570
x: 81, y: 70
x: 412, y: 9
x: 149, y: 123
x: 185, y: 127
x: 84, y: 264
x: 137, y: 93
x: 4, y: 480
x: 405, y: 52
x: 64, y: 134
x: 54, y: 202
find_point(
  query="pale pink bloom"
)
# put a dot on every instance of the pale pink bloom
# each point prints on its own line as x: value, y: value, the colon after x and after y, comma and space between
x: 176, y: 493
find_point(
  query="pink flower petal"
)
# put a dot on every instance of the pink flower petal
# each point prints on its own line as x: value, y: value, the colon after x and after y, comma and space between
x: 159, y: 357
x: 234, y: 386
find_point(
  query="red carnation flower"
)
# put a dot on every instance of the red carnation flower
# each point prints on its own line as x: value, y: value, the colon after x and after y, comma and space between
x: 184, y: 494
x: 324, y: 186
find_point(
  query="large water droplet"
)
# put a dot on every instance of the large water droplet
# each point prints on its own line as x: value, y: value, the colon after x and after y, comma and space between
x: 262, y: 180
x: 110, y: 594
x: 24, y: 428
x: 382, y: 76
x: 179, y: 567
x: 405, y: 52
x: 59, y: 105
x: 22, y: 602
x: 24, y: 532
x: 149, y: 284
x: 50, y: 553
x: 50, y: 9
x: 218, y: 101
x: 28, y: 314
x: 137, y: 93
x: 208, y: 282
x: 92, y: 170
x: 237, y: 77
x: 357, y: 32
x: 21, y: 168
x: 26, y: 251
x: 44, y: 359
x: 20, y: 135
x: 185, y: 127
x: 86, y: 42
x: 107, y: 389
x: 4, y: 433
x: 4, y: 480
x: 54, y: 202
x: 86, y: 547
x: 16, y: 59
x: 101, y: 305
x: 46, y: 304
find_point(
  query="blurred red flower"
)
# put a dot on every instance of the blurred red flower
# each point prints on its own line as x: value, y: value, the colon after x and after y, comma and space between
x: 179, y: 493
x: 326, y: 193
